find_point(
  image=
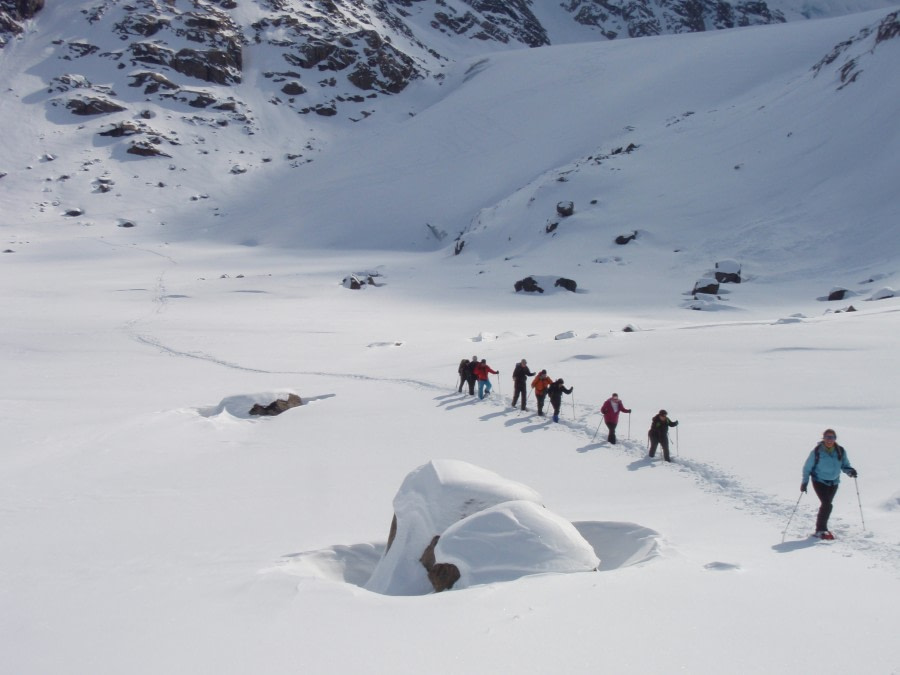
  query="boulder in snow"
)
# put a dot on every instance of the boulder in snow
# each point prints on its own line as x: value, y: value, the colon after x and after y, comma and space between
x: 706, y: 285
x: 728, y: 272
x: 881, y: 294
x: 568, y: 284
x: 456, y: 524
x: 565, y: 209
x: 277, y: 406
x: 529, y: 285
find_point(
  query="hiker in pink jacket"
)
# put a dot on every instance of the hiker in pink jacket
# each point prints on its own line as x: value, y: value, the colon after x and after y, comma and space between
x: 611, y: 409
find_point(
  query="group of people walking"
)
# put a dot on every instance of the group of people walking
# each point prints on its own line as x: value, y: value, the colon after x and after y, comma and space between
x: 824, y: 464
x: 472, y: 372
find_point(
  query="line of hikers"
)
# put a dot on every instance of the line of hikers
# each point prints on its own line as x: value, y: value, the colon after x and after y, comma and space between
x: 472, y: 371
x: 824, y: 465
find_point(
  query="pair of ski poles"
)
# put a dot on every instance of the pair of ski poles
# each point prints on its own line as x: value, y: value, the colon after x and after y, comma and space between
x: 601, y: 423
x: 858, y: 501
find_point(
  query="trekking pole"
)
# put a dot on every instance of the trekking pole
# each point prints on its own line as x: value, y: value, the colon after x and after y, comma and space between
x: 676, y: 441
x: 573, y: 406
x: 784, y: 534
x: 859, y: 501
x: 598, y: 430
x: 629, y: 426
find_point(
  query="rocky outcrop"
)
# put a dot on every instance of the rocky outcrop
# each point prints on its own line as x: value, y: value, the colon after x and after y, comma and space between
x: 642, y: 18
x: 92, y: 105
x: 277, y: 406
x: 529, y: 285
x: 13, y: 13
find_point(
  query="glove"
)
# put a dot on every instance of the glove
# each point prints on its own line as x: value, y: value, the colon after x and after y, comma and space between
x: 675, y: 423
x: 852, y: 473
x: 802, y: 487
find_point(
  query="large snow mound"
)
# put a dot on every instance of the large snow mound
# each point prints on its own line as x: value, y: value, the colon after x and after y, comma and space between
x: 457, y: 499
x: 512, y: 540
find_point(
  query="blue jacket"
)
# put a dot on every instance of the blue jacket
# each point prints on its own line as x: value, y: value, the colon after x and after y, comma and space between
x: 829, y: 467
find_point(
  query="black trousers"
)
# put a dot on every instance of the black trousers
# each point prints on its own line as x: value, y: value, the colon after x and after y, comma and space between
x: 471, y: 382
x: 825, y: 493
x: 540, y: 402
x: 657, y: 441
x: 518, y: 390
x: 612, y: 431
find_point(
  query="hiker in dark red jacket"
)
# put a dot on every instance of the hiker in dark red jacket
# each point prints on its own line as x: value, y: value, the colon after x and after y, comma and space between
x: 611, y: 409
x: 482, y: 374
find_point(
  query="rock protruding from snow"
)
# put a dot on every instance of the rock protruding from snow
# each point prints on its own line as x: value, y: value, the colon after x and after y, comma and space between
x: 488, y: 527
x: 728, y: 272
x: 707, y: 286
x: 277, y: 406
x: 881, y: 294
x: 568, y: 284
x: 529, y: 285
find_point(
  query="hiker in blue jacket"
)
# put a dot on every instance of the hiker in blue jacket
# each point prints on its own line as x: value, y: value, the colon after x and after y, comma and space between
x: 824, y: 465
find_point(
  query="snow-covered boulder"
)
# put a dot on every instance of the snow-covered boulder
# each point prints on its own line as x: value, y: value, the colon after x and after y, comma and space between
x: 728, y: 272
x: 476, y: 511
x: 513, y: 540
x: 706, y: 285
x: 881, y: 294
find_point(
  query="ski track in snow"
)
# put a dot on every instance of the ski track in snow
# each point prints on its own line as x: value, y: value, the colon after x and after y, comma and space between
x: 706, y: 476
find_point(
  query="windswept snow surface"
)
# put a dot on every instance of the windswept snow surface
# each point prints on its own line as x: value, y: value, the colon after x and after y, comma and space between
x: 150, y: 526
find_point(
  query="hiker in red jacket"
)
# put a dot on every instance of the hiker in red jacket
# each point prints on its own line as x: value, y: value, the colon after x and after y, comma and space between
x: 611, y: 409
x: 482, y: 374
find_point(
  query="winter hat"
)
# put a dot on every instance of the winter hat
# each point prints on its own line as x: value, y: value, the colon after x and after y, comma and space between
x: 560, y: 381
x: 663, y: 412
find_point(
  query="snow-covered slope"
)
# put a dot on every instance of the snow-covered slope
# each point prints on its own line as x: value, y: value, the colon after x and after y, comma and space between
x: 152, y: 525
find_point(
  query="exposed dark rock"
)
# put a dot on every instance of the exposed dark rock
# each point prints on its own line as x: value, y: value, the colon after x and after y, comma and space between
x: 441, y: 575
x: 124, y: 128
x: 706, y: 286
x: 145, y: 149
x: 551, y: 226
x: 92, y: 106
x: 568, y: 284
x: 293, y: 89
x: 73, y: 213
x: 565, y: 209
x: 838, y: 294
x: 127, y: 223
x: 529, y: 285
x: 152, y: 82
x: 277, y: 406
x: 623, y: 239
x: 728, y: 272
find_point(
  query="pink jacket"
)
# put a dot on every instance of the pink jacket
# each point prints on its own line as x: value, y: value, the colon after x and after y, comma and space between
x: 611, y: 409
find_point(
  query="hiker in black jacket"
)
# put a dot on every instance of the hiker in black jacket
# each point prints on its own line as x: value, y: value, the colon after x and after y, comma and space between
x: 520, y: 373
x: 469, y: 374
x: 555, y: 391
x: 463, y: 365
x: 659, y: 433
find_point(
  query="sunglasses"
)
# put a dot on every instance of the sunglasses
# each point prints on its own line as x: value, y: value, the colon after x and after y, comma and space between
x: 829, y: 437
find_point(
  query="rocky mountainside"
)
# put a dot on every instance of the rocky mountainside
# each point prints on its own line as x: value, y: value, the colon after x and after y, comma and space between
x: 103, y: 85
x: 326, y: 55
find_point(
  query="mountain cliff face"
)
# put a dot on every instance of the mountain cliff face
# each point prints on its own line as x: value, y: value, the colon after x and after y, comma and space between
x: 103, y: 86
